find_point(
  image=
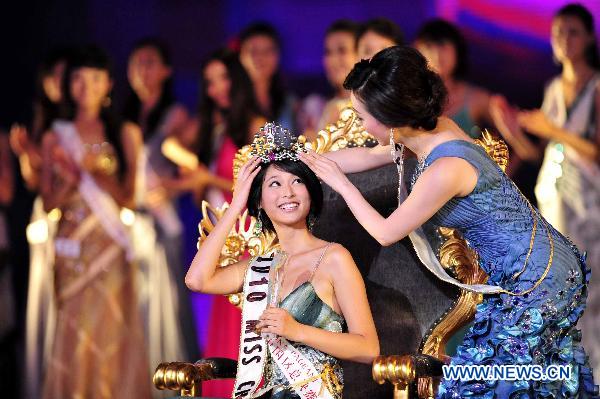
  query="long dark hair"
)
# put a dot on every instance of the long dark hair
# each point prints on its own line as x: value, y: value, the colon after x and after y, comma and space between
x: 45, y: 110
x: 439, y: 31
x: 587, y: 19
x: 133, y: 105
x: 92, y: 56
x: 399, y: 89
x: 277, y: 92
x: 240, y: 113
x: 297, y: 168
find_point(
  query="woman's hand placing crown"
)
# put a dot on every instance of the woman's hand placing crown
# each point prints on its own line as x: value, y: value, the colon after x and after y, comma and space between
x: 245, y: 177
x: 326, y: 170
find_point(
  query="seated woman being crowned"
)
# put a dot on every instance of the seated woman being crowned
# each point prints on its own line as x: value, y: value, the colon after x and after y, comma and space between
x: 305, y: 305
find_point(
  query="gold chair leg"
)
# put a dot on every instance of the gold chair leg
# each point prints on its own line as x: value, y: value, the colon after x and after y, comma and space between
x: 400, y: 391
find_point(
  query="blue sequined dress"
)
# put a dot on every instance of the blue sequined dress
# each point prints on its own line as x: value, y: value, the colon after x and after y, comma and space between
x: 535, y: 328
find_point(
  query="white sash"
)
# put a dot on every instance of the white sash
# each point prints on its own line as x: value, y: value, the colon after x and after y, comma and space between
x: 299, y: 371
x: 253, y: 347
x: 100, y: 203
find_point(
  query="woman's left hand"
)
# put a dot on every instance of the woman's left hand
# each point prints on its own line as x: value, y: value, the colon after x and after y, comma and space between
x: 279, y: 321
x: 326, y: 170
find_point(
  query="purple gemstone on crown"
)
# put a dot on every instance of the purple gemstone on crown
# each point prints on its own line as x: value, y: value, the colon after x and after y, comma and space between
x: 271, y: 156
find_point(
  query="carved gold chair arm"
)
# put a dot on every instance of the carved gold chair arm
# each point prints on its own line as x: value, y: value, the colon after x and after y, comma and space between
x: 403, y: 370
x: 187, y: 377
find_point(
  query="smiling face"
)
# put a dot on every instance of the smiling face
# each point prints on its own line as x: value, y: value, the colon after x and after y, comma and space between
x: 218, y: 83
x: 146, y: 70
x: 442, y: 57
x: 89, y: 87
x: 569, y: 38
x: 285, y: 198
x: 260, y: 57
x: 339, y: 57
x: 371, y: 43
x: 372, y: 125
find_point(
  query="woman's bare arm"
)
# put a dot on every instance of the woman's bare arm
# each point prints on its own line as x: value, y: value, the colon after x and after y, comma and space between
x: 359, y: 159
x: 204, y: 274
x: 442, y: 181
x: 446, y: 178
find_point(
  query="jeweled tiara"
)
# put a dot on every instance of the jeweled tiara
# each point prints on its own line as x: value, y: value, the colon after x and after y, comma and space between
x: 275, y: 143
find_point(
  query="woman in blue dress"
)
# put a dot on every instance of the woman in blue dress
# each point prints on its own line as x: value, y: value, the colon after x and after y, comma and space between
x: 537, y: 283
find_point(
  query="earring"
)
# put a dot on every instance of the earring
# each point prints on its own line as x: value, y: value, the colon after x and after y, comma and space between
x: 258, y: 227
x: 311, y: 222
x: 392, y: 141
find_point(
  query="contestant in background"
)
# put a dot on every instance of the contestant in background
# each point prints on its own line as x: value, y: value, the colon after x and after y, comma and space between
x: 339, y: 56
x: 227, y: 119
x: 471, y: 107
x: 445, y: 48
x: 157, y: 230
x: 88, y: 175
x: 260, y: 52
x: 26, y: 144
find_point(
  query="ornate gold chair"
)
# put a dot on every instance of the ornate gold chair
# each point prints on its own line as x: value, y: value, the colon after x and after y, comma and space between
x: 415, y: 313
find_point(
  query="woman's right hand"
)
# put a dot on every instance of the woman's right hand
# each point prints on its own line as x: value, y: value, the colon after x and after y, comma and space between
x: 241, y: 189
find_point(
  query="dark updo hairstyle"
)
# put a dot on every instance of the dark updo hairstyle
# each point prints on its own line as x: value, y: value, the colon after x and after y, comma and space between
x: 383, y: 27
x: 587, y: 19
x: 297, y: 168
x: 92, y: 56
x: 399, y: 89
x: 439, y: 31
x: 133, y: 107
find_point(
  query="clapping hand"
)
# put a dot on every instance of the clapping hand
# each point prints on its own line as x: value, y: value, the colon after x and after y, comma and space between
x: 537, y: 123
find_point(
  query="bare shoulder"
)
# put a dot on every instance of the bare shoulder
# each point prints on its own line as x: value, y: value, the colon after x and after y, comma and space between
x: 452, y: 175
x: 339, y: 261
x: 440, y: 168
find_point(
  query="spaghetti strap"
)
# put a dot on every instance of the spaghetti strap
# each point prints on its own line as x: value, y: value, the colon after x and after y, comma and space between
x: 312, y: 274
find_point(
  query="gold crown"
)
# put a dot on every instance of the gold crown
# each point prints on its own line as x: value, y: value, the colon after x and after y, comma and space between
x: 275, y: 143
